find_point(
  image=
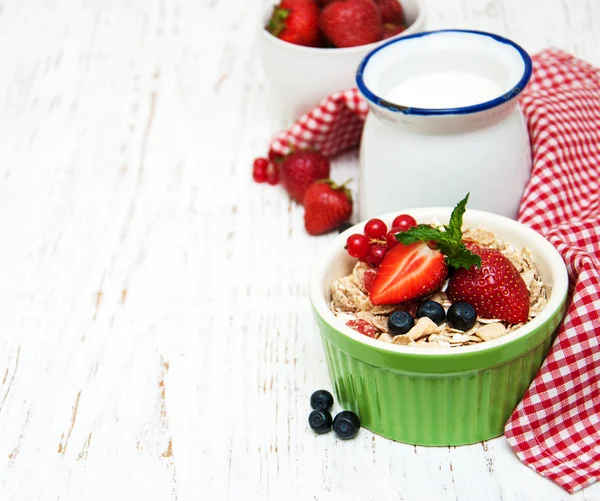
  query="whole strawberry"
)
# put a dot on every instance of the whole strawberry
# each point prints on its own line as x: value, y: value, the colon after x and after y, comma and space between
x: 349, y: 23
x: 300, y: 169
x: 297, y: 22
x: 496, y: 289
x: 326, y: 206
x: 391, y: 11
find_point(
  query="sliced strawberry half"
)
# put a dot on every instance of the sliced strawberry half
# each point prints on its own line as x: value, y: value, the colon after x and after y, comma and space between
x: 408, y: 272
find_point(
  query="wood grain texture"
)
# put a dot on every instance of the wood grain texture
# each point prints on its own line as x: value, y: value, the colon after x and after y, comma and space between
x: 156, y: 340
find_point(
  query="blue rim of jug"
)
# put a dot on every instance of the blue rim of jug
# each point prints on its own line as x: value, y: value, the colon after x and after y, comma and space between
x: 407, y: 110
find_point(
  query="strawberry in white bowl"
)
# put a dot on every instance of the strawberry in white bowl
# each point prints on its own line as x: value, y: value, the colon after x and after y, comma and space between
x: 311, y: 49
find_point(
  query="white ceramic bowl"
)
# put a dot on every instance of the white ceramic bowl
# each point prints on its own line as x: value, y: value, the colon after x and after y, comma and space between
x: 302, y: 76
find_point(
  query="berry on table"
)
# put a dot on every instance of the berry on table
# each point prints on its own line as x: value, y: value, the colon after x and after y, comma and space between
x: 461, y: 316
x: 375, y: 229
x: 358, y: 246
x: 403, y: 222
x: 321, y: 400
x: 375, y: 255
x: 260, y: 163
x: 272, y: 174
x: 326, y: 206
x: 302, y: 168
x: 346, y: 425
x: 259, y: 170
x: 320, y: 421
x: 259, y: 175
x: 433, y: 310
x: 400, y: 322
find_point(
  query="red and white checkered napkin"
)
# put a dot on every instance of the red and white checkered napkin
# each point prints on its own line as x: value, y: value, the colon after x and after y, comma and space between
x: 556, y: 428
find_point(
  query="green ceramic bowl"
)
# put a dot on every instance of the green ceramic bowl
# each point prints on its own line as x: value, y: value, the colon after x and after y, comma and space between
x: 436, y: 396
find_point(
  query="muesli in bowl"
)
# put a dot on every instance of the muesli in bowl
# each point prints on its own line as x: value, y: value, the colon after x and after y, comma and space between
x: 436, y: 286
x: 509, y: 291
x: 430, y: 392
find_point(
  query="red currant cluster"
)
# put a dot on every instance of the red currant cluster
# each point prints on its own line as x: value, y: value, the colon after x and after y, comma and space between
x: 264, y: 170
x: 376, y: 241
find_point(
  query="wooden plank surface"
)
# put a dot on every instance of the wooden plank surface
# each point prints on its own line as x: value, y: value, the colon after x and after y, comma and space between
x: 156, y: 340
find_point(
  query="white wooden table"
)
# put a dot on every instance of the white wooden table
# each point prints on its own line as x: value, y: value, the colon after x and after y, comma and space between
x: 156, y: 340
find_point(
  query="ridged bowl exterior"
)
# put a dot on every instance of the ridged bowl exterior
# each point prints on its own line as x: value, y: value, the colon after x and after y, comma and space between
x: 453, y: 400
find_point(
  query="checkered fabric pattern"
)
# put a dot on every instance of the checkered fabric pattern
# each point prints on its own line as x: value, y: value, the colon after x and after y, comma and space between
x: 331, y: 127
x: 556, y: 428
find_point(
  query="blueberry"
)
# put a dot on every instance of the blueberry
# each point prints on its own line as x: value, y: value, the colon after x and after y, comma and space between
x: 344, y: 226
x: 320, y: 421
x: 433, y: 310
x: 461, y: 316
x: 400, y: 322
x: 322, y: 400
x: 346, y: 425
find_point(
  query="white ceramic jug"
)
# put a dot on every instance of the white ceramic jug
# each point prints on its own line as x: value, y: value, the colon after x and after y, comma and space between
x: 444, y: 120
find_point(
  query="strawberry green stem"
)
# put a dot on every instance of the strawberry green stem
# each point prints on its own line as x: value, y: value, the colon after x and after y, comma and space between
x: 276, y: 24
x: 338, y: 187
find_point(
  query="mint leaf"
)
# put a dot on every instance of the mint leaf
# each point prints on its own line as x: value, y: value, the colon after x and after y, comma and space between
x: 420, y: 233
x: 458, y: 256
x: 454, y: 228
x: 449, y: 241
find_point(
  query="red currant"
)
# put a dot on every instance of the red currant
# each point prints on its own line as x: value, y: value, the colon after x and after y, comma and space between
x: 376, y: 254
x: 375, y: 229
x: 260, y: 163
x: 259, y: 173
x: 404, y: 222
x: 391, y: 237
x: 272, y: 174
x: 357, y: 246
